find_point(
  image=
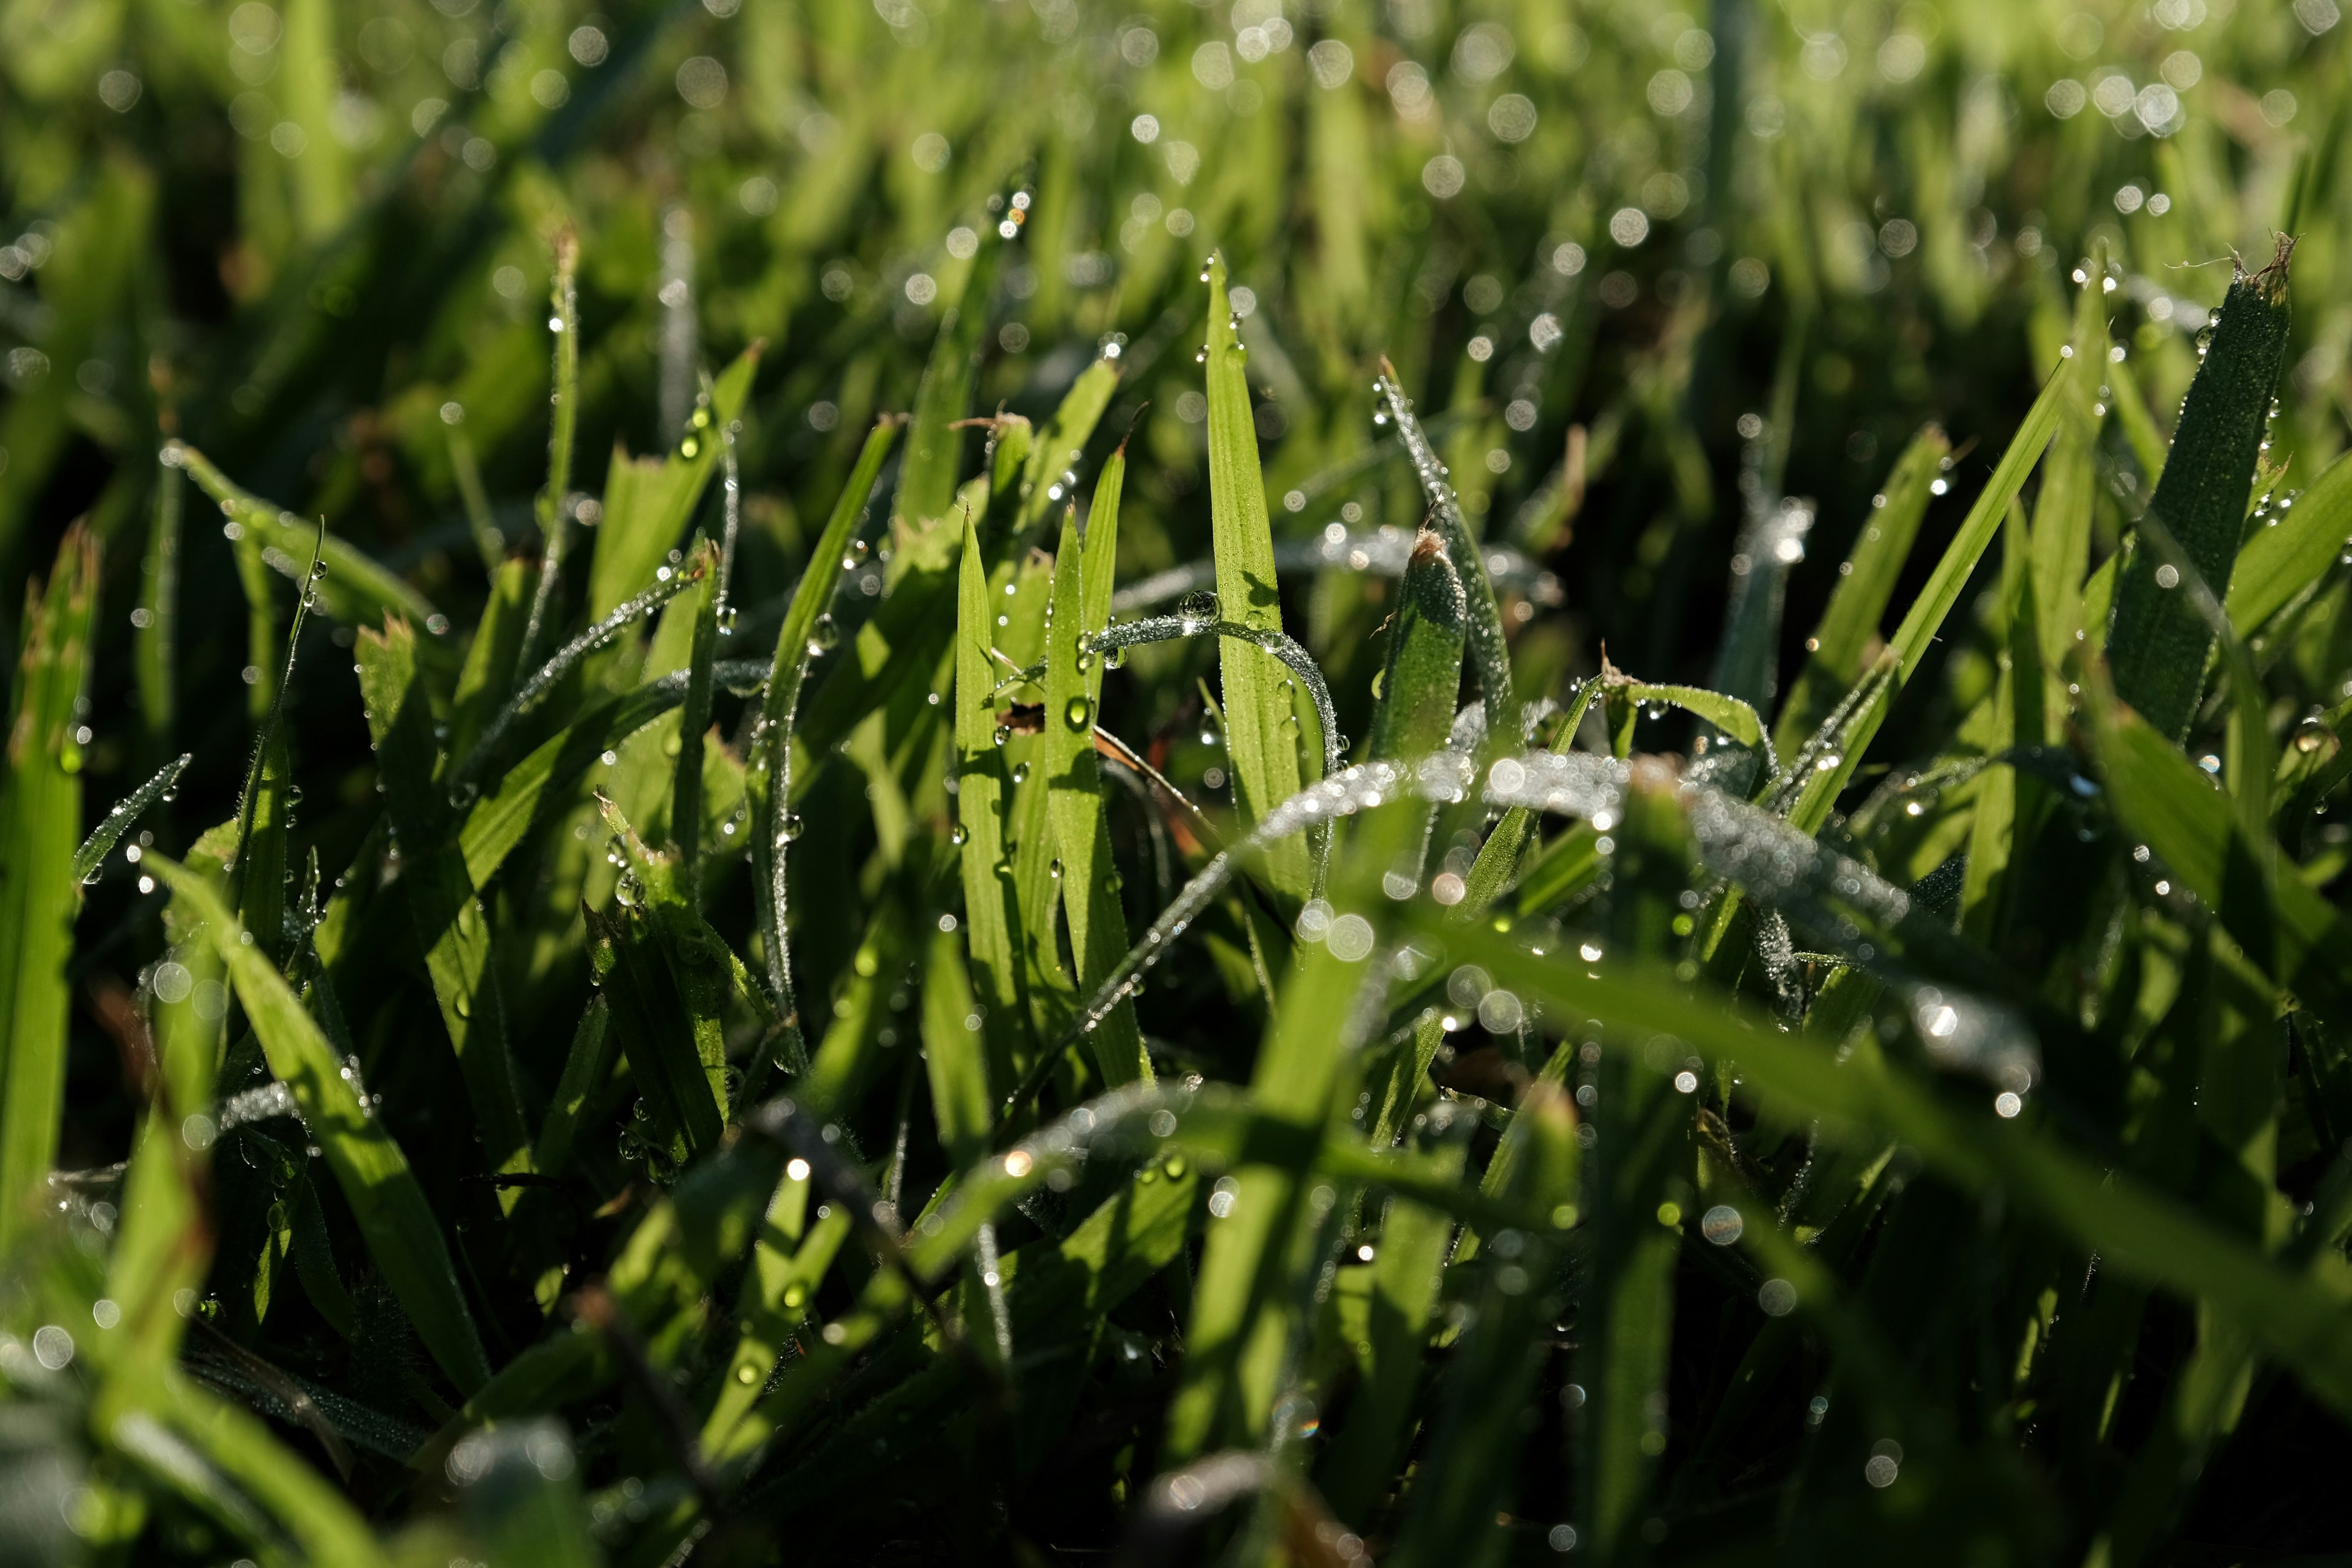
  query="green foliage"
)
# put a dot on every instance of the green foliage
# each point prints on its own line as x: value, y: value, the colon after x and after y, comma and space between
x: 1056, y: 926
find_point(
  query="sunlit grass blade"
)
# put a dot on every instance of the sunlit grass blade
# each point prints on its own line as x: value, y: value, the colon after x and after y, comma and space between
x: 983, y: 807
x: 161, y: 1248
x: 2159, y: 645
x: 2165, y: 801
x: 1261, y: 735
x: 693, y: 719
x: 1048, y: 474
x: 1925, y: 619
x: 649, y: 500
x: 227, y: 1463
x: 357, y: 590
x: 1242, y: 1306
x: 401, y: 1234
x: 2296, y: 545
x: 2063, y: 512
x: 1081, y: 832
x: 1867, y: 580
x: 40, y: 818
x: 1423, y: 675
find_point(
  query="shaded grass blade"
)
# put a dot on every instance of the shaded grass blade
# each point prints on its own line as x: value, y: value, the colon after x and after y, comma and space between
x: 402, y: 1236
x: 2159, y: 644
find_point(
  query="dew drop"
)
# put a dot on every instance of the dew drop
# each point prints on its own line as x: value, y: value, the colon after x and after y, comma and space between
x: 961, y: 835
x: 825, y: 634
x: 1020, y: 773
x: 1079, y: 712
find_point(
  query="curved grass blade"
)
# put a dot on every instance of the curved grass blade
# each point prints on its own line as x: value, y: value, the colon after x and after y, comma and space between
x: 356, y: 590
x: 402, y: 1236
x: 227, y: 1463
x: 2159, y: 644
x: 108, y: 833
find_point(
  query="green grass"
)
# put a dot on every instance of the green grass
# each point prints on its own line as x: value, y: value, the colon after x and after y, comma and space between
x: 1429, y: 782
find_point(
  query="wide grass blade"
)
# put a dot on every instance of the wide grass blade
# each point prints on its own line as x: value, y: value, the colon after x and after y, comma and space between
x: 2159, y: 644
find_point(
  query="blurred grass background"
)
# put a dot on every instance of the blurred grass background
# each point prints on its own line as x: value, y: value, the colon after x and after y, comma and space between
x: 296, y: 236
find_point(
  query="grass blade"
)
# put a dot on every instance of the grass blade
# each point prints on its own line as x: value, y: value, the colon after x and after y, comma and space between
x: 982, y: 808
x: 2159, y: 644
x: 2289, y: 553
x: 649, y: 500
x: 157, y: 620
x: 1081, y: 831
x: 1422, y: 677
x: 1490, y: 656
x: 448, y: 917
x: 1856, y: 729
x: 1261, y: 730
x: 357, y: 590
x: 402, y: 1236
x: 1867, y: 580
x: 40, y: 814
x: 129, y: 809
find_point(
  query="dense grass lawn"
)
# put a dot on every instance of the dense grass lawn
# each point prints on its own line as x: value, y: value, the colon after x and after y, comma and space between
x: 1268, y: 781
